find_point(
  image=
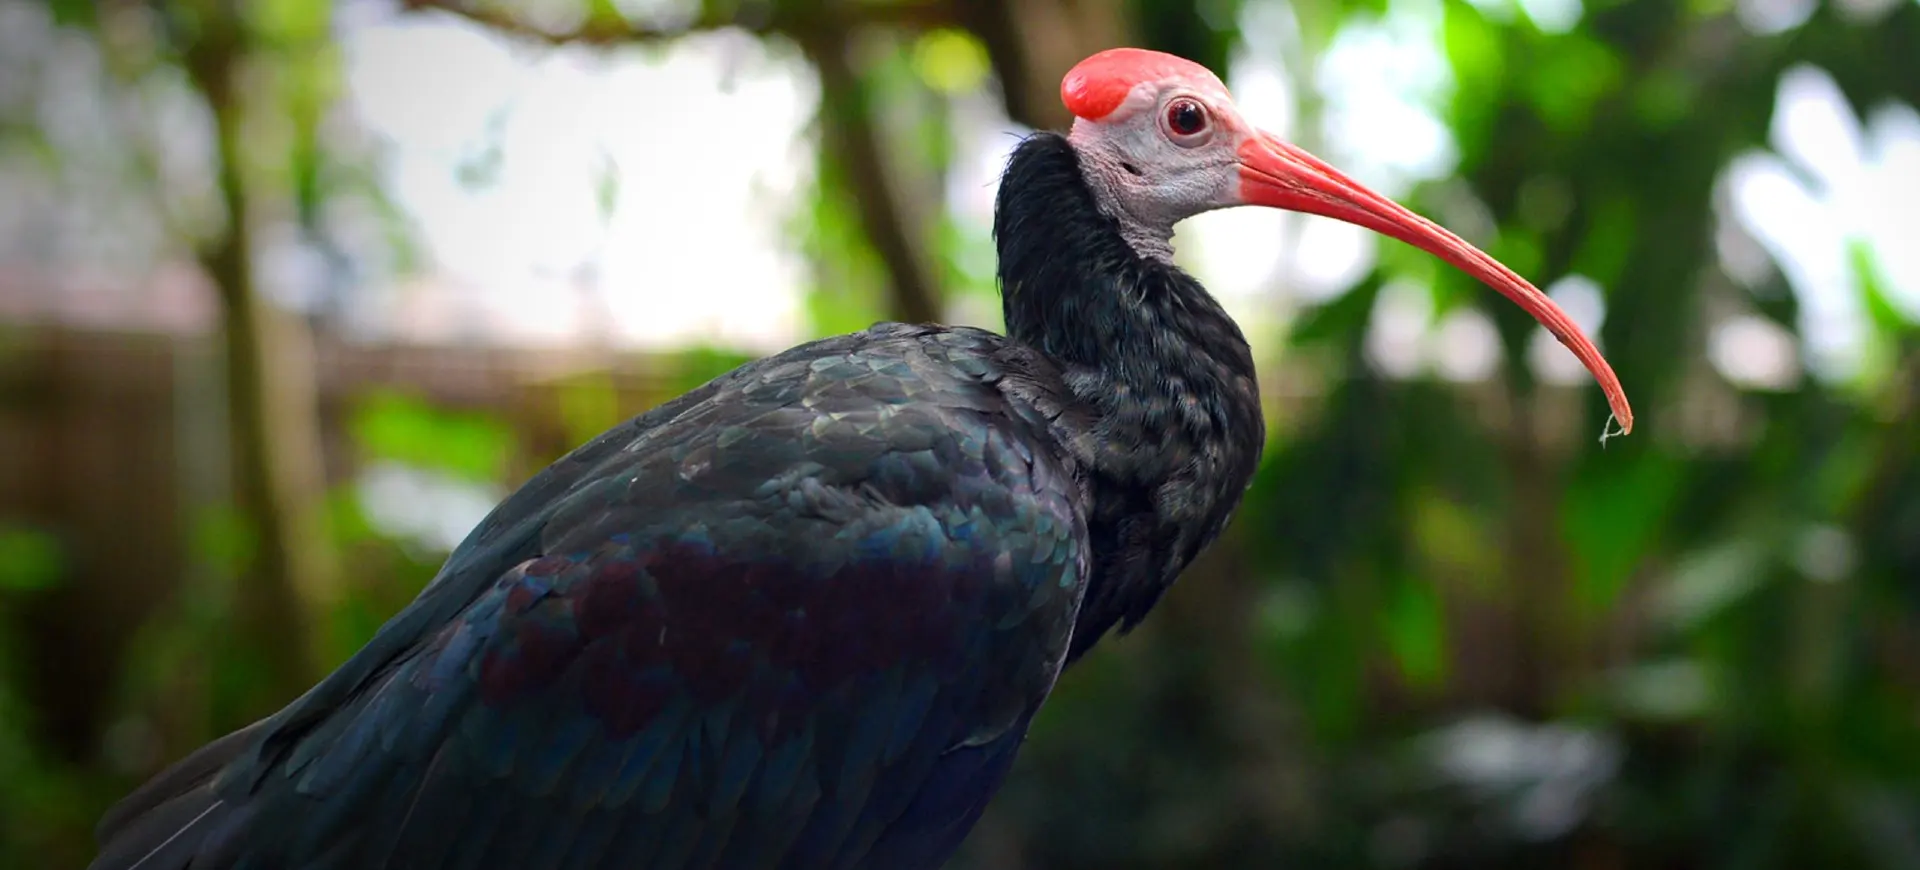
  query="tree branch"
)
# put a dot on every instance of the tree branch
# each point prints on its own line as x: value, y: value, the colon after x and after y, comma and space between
x: 851, y: 135
x: 1032, y: 43
x: 756, y: 18
x: 272, y: 428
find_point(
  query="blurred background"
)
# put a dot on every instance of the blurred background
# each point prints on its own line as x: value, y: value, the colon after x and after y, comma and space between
x: 292, y: 291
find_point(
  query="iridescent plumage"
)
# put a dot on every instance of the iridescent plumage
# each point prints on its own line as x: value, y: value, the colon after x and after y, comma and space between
x: 798, y: 618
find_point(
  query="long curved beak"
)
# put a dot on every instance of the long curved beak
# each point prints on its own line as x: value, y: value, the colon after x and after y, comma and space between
x: 1278, y: 175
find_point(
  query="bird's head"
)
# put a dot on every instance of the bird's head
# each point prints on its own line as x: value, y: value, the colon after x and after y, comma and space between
x: 1160, y: 141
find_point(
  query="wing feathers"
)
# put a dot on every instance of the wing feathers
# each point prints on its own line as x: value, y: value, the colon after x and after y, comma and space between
x: 184, y: 777
x: 796, y: 619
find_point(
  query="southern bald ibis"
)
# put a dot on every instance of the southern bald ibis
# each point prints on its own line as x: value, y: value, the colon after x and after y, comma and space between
x: 802, y: 616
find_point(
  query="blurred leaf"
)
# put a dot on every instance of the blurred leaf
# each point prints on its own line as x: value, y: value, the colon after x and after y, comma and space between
x: 1709, y: 8
x: 971, y: 267
x: 391, y: 425
x: 290, y: 21
x: 1345, y: 316
x: 1200, y: 30
x: 1664, y: 690
x: 589, y: 404
x: 1709, y: 581
x: 1325, y: 668
x: 1613, y: 515
x: 848, y: 291
x: 604, y: 12
x: 222, y: 540
x: 1475, y: 50
x: 1519, y: 247
x: 1415, y: 629
x: 950, y: 61
x: 1405, y: 262
x: 1847, y: 471
x: 75, y: 13
x: 1289, y: 610
x: 1452, y: 538
x: 1876, y: 290
x: 697, y: 365
x: 1663, y: 98
x: 1573, y: 73
x: 1608, y: 240
x: 30, y: 559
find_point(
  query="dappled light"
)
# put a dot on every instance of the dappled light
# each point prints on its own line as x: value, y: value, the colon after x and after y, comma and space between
x: 536, y: 184
x: 1837, y: 200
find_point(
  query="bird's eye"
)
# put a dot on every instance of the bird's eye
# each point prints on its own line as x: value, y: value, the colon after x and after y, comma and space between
x: 1187, y: 122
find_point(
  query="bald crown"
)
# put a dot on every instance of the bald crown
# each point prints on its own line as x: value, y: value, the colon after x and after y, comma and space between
x: 1098, y: 85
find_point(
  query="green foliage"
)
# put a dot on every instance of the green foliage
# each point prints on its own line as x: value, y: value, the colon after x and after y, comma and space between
x: 390, y: 425
x: 950, y: 61
x: 1413, y: 627
x: 1613, y: 514
x: 698, y: 365
x: 848, y: 293
x: 1569, y: 77
x: 220, y: 540
x: 1727, y: 606
x: 30, y: 559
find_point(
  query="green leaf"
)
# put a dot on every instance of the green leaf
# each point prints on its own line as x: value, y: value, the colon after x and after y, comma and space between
x: 695, y: 366
x: 1415, y: 631
x: 75, y: 13
x: 1608, y: 241
x: 1574, y: 72
x: 1664, y: 691
x: 589, y: 404
x: 1343, y: 318
x: 1612, y: 517
x: 1873, y: 284
x: 1449, y: 535
x: 848, y: 290
x: 1709, y: 581
x: 1663, y: 98
x: 29, y: 559
x: 391, y: 425
x: 222, y: 539
x: 969, y: 273
x: 1522, y: 249
x: 1478, y: 55
x: 290, y: 21
x: 951, y: 61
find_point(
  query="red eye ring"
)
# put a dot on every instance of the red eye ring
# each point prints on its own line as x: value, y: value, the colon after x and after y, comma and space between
x: 1186, y: 120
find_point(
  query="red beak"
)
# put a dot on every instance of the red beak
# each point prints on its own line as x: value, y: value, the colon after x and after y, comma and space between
x: 1276, y: 174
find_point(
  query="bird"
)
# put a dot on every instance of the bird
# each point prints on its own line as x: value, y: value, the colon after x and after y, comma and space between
x: 803, y: 615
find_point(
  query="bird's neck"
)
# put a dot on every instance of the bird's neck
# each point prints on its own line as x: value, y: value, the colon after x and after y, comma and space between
x: 1165, y: 373
x: 1074, y: 284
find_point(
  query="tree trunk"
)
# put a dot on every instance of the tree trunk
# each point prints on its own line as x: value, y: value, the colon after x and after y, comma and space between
x: 851, y: 136
x: 272, y: 413
x: 1033, y: 43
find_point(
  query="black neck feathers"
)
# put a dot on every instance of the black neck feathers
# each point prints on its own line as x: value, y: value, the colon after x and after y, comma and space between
x: 1167, y: 377
x: 1073, y: 287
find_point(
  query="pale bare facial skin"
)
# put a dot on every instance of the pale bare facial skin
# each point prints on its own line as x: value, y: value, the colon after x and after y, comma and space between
x: 1151, y: 174
x: 1159, y: 140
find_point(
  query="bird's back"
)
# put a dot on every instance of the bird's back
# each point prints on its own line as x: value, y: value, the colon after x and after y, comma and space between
x: 799, y: 617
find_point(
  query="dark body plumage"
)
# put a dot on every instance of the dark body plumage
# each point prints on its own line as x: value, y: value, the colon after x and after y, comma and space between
x: 800, y: 617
